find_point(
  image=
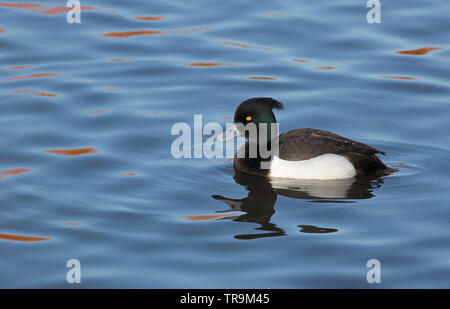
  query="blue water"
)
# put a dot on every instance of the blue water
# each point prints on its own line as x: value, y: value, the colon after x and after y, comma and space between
x: 135, y: 217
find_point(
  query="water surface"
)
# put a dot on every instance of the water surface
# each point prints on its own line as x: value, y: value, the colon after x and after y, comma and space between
x: 86, y: 170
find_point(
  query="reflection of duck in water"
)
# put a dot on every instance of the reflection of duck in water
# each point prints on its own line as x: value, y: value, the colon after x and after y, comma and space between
x: 299, y: 153
x: 258, y: 206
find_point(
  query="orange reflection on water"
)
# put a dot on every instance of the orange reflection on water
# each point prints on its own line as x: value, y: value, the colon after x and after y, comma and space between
x: 2, y: 30
x: 111, y: 89
x: 127, y: 34
x: 398, y: 77
x: 262, y: 78
x: 63, y: 9
x: 206, y: 64
x: 150, y: 18
x: 299, y: 60
x: 209, y: 217
x: 72, y: 223
x: 32, y: 76
x: 20, y: 5
x: 98, y: 111
x: 245, y: 45
x: 22, y: 238
x: 128, y: 174
x: 122, y: 59
x: 46, y: 9
x: 20, y: 67
x: 418, y: 51
x: 325, y: 68
x: 15, y: 171
x: 72, y: 152
x: 36, y: 93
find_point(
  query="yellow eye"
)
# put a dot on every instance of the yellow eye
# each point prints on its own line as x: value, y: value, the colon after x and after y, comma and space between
x: 249, y: 118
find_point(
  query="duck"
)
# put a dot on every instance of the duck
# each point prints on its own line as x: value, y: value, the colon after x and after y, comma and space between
x: 306, y: 153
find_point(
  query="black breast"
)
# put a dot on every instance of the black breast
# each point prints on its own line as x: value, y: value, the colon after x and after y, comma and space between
x: 250, y: 166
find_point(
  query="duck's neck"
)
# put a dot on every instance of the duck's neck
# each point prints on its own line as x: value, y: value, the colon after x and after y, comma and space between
x: 267, y: 133
x: 267, y: 123
x: 262, y: 149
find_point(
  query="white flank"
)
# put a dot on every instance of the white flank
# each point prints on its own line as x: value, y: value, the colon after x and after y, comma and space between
x: 326, y: 166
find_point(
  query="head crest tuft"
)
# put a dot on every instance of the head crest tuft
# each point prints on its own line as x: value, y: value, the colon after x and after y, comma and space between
x: 269, y: 102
